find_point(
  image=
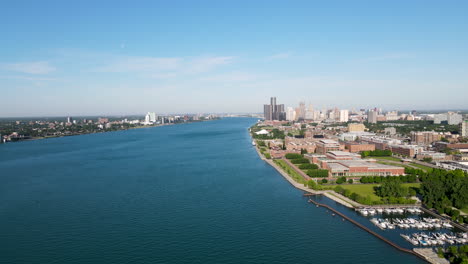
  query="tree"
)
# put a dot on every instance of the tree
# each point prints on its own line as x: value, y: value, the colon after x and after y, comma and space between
x: 293, y: 156
x: 350, y: 181
x: 300, y: 161
x: 427, y: 159
x: 341, y: 180
x: 308, y: 166
x: 392, y: 189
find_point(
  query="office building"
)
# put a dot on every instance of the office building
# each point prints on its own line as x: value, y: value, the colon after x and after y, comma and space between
x: 344, y: 116
x: 326, y: 145
x: 290, y: 114
x: 274, y: 111
x: 390, y: 131
x: 464, y: 128
x: 454, y: 118
x: 355, y: 147
x: 356, y: 127
x: 439, y: 118
x: 424, y: 137
x: 302, y: 111
x: 152, y: 117
x: 372, y: 116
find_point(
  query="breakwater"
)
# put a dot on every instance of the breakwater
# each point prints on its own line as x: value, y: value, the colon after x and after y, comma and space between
x: 370, y: 231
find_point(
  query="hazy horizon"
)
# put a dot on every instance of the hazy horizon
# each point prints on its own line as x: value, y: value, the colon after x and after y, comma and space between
x: 107, y: 58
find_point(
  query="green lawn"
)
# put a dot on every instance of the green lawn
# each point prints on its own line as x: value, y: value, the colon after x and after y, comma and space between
x: 465, y: 210
x: 393, y: 164
x: 368, y: 189
x: 385, y: 158
x: 426, y: 168
x: 290, y: 171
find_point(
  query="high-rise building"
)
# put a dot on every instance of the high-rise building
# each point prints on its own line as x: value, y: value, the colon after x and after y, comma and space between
x: 310, y: 113
x: 464, y: 128
x: 152, y: 117
x: 372, y: 116
x: 290, y: 114
x: 302, y: 111
x: 274, y: 111
x: 344, y: 116
x: 392, y: 116
x: 147, y: 118
x: 69, y: 119
x: 454, y: 118
x: 439, y: 118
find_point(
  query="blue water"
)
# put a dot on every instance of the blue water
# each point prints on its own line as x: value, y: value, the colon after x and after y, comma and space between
x: 192, y: 193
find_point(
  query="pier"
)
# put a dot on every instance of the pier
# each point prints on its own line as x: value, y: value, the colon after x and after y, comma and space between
x: 372, y: 232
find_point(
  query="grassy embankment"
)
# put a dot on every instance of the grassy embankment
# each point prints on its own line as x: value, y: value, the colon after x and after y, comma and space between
x: 368, y: 189
x: 290, y: 171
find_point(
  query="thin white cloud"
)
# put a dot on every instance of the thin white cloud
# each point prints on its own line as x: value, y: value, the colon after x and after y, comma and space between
x: 205, y: 64
x: 141, y: 64
x: 37, y: 67
x: 278, y: 56
x: 157, y: 67
x: 28, y: 78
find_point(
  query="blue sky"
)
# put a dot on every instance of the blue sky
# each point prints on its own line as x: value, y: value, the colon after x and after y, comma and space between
x: 130, y: 57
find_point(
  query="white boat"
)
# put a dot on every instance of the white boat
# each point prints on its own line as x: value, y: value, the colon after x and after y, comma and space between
x: 253, y: 143
x: 447, y: 225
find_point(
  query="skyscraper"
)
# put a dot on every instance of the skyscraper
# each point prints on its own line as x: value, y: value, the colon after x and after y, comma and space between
x: 302, y: 111
x: 372, y: 116
x: 290, y: 114
x: 344, y: 115
x: 454, y: 118
x: 152, y: 116
x: 274, y: 111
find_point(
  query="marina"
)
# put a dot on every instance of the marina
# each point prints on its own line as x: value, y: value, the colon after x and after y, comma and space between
x: 436, y: 239
x: 374, y: 211
x: 424, y: 223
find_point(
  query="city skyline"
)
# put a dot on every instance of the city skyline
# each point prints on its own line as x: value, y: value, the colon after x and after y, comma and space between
x: 223, y: 57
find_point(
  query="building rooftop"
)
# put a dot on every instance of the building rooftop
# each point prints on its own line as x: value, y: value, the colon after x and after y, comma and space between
x: 328, y: 141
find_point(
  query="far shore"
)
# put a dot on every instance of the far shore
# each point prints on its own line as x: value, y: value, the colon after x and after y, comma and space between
x: 104, y: 131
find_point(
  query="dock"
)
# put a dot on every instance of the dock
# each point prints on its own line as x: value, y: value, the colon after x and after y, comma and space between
x: 415, y: 253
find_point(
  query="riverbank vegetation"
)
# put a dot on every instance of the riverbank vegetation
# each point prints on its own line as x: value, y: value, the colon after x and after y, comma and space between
x: 443, y: 190
x: 290, y: 171
x: 455, y: 254
x: 274, y: 133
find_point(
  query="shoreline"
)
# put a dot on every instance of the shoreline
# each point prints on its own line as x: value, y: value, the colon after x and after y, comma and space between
x: 99, y: 132
x: 301, y: 187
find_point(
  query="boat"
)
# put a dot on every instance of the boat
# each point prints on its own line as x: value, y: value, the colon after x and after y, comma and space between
x: 253, y: 143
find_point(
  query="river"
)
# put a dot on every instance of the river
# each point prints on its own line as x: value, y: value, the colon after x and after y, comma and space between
x: 190, y: 193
